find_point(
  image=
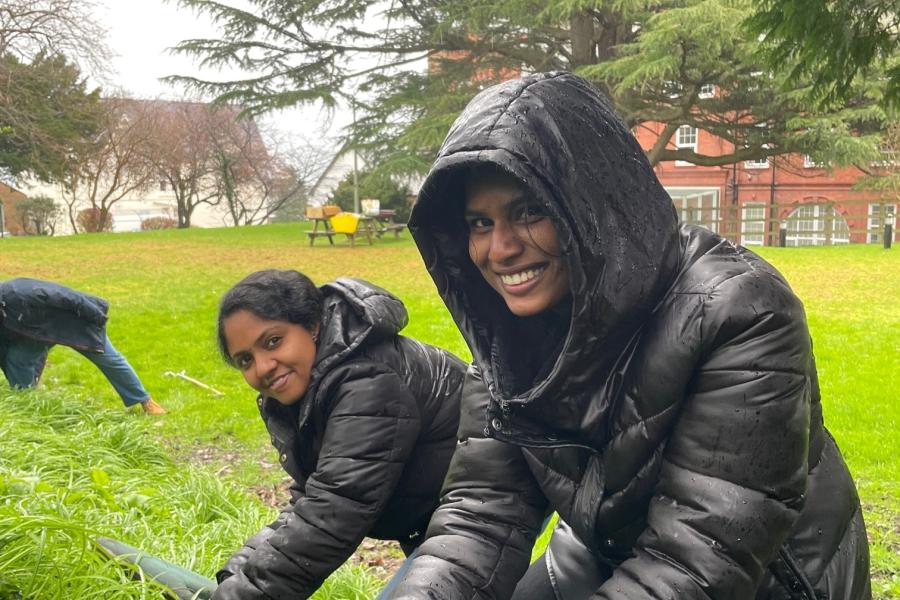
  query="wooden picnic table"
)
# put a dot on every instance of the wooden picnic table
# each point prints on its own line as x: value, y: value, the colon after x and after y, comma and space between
x: 373, y: 226
x: 326, y: 230
x: 384, y: 221
x: 352, y: 225
x: 319, y: 216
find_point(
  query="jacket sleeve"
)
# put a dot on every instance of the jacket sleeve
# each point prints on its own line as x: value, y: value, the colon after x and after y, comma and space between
x: 734, y: 470
x: 237, y: 561
x: 480, y: 538
x: 371, y: 431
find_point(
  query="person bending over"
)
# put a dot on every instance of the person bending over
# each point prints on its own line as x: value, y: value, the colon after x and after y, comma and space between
x: 650, y: 381
x: 364, y: 420
x: 35, y: 315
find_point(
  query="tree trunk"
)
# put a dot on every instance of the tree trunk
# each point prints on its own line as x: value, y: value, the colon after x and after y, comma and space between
x: 103, y: 215
x: 581, y: 26
x: 70, y: 209
x: 188, y: 211
x: 182, y: 215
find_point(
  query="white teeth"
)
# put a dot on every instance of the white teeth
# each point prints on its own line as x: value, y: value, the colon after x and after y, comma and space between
x: 518, y: 278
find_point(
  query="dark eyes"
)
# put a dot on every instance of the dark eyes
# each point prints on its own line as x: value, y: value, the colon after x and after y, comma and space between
x: 524, y: 214
x: 243, y: 361
x: 530, y: 213
x: 479, y: 223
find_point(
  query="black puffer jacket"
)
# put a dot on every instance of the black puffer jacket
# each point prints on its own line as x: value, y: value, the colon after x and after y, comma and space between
x: 674, y: 422
x: 54, y: 314
x: 367, y: 446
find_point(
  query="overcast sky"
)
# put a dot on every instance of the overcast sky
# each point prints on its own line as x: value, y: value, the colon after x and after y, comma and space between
x: 141, y: 31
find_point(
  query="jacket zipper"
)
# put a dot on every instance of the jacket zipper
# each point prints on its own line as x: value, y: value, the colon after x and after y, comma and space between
x: 806, y: 589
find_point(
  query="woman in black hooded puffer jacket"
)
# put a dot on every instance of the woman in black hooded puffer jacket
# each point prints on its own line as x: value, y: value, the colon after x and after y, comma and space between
x: 649, y: 381
x: 364, y: 421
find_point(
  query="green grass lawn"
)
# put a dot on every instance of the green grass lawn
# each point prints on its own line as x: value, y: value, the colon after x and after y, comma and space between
x: 163, y: 287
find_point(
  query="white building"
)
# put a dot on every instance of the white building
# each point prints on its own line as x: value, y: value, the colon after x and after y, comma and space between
x: 127, y: 214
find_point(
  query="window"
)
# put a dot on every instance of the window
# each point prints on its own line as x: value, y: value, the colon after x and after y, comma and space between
x: 686, y: 137
x: 880, y: 215
x: 755, y: 76
x: 816, y: 225
x: 673, y: 89
x: 810, y: 163
x: 707, y: 90
x: 757, y: 163
x: 753, y: 223
x: 162, y: 185
x: 697, y: 206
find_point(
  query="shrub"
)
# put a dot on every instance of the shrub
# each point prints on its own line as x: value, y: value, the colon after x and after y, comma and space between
x: 93, y: 220
x: 154, y: 223
x: 373, y: 184
x: 38, y: 215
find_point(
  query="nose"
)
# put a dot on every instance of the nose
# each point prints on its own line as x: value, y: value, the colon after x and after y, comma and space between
x: 505, y: 242
x: 265, y: 365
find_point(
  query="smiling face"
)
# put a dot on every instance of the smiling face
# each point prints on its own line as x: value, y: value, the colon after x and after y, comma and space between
x: 275, y: 357
x: 514, y: 244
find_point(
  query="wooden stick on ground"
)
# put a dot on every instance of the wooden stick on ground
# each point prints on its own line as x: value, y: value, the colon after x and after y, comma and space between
x: 181, y: 375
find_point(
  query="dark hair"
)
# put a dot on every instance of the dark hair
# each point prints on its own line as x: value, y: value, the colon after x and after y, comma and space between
x: 489, y: 172
x: 273, y: 295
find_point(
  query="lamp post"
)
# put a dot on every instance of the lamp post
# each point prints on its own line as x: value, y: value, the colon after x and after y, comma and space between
x: 355, y: 167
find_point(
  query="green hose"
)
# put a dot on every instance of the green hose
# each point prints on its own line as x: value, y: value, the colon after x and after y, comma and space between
x: 184, y: 584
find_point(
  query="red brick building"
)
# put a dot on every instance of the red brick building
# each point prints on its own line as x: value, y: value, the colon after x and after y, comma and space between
x: 9, y: 218
x: 749, y: 202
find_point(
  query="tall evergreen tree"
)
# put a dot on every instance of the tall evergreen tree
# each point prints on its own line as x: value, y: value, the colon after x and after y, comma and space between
x: 409, y: 66
x: 46, y: 113
x: 832, y: 42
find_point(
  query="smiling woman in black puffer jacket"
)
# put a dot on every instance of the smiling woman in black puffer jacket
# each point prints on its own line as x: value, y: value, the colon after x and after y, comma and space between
x: 364, y: 421
x: 651, y: 382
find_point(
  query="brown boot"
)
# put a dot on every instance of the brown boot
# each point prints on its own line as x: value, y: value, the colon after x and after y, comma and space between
x: 152, y: 408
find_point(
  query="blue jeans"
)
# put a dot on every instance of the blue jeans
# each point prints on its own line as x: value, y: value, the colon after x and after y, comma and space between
x: 24, y: 362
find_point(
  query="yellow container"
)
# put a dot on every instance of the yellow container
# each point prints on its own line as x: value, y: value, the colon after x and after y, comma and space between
x: 344, y: 222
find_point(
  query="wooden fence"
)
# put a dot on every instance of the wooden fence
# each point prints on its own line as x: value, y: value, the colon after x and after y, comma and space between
x: 795, y: 224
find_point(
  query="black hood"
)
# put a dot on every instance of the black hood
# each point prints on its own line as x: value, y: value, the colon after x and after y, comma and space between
x: 557, y: 135
x: 355, y: 312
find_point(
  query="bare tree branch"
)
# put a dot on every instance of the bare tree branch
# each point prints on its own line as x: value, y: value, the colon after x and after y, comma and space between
x: 67, y: 27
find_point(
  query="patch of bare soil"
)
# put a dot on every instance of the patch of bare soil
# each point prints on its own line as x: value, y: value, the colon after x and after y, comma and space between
x: 275, y: 495
x: 381, y: 556
x: 213, y: 457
